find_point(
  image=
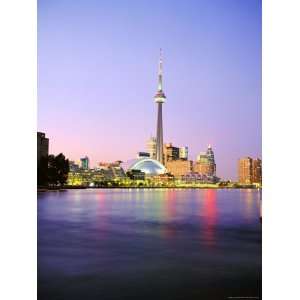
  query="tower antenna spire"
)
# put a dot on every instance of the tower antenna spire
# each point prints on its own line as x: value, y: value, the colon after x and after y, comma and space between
x: 160, y: 61
x: 160, y: 70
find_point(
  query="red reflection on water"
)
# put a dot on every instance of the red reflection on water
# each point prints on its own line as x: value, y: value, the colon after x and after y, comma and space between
x: 169, y: 213
x: 100, y: 195
x: 210, y: 217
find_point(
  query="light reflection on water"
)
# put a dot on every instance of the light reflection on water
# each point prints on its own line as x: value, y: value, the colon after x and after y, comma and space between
x: 181, y: 243
x: 210, y: 217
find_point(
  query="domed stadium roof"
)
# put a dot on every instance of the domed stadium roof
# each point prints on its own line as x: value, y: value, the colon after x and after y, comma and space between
x: 147, y: 165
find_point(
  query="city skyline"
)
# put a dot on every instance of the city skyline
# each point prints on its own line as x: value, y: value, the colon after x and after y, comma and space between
x: 103, y: 87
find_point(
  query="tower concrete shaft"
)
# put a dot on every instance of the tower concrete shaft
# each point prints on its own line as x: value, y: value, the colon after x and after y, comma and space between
x: 159, y: 134
x: 159, y: 99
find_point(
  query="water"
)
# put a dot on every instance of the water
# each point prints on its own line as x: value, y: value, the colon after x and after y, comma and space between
x: 149, y: 244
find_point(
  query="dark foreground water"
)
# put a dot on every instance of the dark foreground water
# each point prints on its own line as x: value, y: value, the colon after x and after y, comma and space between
x: 149, y: 244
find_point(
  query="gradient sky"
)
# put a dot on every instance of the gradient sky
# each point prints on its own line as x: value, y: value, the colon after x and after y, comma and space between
x: 97, y: 76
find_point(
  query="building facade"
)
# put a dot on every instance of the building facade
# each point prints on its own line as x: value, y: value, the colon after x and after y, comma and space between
x: 179, y: 168
x: 42, y: 146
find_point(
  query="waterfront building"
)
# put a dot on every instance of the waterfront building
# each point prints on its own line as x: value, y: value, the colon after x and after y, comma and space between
x: 111, y: 170
x: 73, y: 166
x: 118, y: 172
x: 149, y: 166
x: 204, y: 167
x: 195, y: 177
x: 256, y: 173
x: 170, y: 152
x: 84, y: 163
x: 179, y: 167
x: 183, y: 153
x: 42, y: 146
x: 151, y: 147
x: 163, y: 178
x: 245, y: 170
x: 159, y: 99
x: 107, y: 165
x: 87, y: 177
x: 192, y: 177
x: 135, y: 174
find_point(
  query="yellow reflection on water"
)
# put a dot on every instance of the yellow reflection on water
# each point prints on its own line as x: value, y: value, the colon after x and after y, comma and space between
x: 248, y: 197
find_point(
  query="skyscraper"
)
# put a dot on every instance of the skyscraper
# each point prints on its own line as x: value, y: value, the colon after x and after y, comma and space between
x: 85, y: 163
x: 201, y: 157
x: 183, y: 153
x: 205, y: 163
x: 210, y: 154
x: 211, y: 158
x: 42, y: 146
x: 151, y: 147
x: 170, y: 152
x: 257, y: 178
x: 249, y: 171
x: 42, y: 158
x: 245, y: 170
x: 159, y: 99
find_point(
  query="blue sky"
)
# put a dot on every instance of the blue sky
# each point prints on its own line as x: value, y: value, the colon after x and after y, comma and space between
x: 97, y: 75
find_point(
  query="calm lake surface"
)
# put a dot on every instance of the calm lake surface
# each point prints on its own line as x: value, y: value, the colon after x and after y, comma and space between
x: 149, y: 244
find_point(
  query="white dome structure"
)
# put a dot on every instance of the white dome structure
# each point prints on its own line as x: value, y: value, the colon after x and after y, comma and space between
x: 146, y: 164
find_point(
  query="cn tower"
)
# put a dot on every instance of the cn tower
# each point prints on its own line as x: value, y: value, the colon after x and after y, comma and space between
x: 159, y: 99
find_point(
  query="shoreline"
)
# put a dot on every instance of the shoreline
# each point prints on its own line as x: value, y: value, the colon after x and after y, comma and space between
x: 49, y: 189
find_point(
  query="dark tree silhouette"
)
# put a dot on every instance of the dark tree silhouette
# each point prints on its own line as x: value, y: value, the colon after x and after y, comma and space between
x: 58, y: 169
